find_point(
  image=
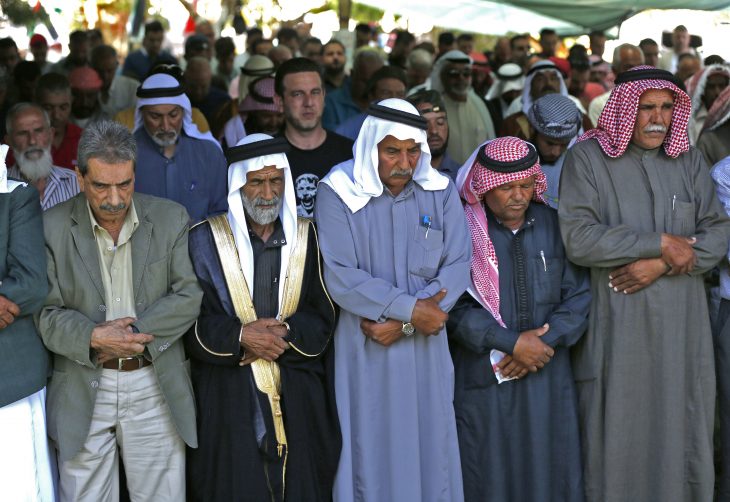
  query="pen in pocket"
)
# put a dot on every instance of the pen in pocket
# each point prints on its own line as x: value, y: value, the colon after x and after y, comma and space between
x: 544, y: 263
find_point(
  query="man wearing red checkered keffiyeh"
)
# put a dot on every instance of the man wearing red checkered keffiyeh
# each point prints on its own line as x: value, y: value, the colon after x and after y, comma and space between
x: 637, y: 206
x: 526, y: 305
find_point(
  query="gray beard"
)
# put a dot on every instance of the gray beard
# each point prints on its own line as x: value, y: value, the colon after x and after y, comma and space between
x: 169, y: 139
x: 34, y: 170
x: 262, y: 215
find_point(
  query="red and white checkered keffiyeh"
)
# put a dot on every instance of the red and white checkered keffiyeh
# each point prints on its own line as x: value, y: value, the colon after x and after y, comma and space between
x: 616, y: 123
x: 480, y: 180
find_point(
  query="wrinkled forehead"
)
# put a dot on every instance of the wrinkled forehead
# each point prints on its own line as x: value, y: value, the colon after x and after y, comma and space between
x: 266, y: 172
x: 653, y: 95
x: 390, y: 141
x: 161, y: 108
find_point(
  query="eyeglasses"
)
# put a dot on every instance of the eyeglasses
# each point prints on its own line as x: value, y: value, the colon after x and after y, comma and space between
x: 466, y: 73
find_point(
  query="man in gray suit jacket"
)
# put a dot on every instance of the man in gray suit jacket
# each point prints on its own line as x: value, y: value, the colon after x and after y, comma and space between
x: 122, y: 293
x: 25, y: 469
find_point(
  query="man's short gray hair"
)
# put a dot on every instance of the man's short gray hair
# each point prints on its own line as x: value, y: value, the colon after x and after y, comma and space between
x: 19, y: 108
x: 616, y: 63
x: 108, y: 141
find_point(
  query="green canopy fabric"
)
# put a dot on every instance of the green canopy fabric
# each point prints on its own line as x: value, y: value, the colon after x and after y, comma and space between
x: 567, y: 17
x: 604, y: 14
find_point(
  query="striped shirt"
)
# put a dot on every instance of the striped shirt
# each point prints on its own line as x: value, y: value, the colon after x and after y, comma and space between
x: 60, y: 186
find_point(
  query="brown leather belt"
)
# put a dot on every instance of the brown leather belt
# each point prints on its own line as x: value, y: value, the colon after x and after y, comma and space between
x: 126, y: 363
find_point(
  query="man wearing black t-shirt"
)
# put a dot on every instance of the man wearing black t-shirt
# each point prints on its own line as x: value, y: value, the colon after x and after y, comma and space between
x: 300, y: 91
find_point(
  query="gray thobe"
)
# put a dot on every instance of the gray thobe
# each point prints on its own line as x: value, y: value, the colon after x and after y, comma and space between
x: 395, y: 403
x: 715, y: 145
x: 645, y: 370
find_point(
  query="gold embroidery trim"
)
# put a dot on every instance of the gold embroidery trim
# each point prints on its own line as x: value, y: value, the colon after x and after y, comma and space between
x: 266, y: 373
x: 321, y: 281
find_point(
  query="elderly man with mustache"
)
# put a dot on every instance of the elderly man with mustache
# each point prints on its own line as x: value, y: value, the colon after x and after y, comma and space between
x: 122, y: 292
x: 396, y: 258
x: 638, y: 206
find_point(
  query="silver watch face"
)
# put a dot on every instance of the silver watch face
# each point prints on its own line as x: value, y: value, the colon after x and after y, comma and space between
x: 408, y: 329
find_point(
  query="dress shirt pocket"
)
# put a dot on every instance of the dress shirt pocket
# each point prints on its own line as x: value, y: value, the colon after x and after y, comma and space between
x: 425, y: 250
x: 683, y: 218
x: 547, y: 279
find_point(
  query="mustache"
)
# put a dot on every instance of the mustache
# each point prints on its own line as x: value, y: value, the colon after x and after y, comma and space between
x: 113, y: 209
x: 655, y: 128
x: 401, y: 172
x: 260, y: 201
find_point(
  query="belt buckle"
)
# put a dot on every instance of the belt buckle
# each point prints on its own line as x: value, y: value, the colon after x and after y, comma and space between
x: 120, y: 362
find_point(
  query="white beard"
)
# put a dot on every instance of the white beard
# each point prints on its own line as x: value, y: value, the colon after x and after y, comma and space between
x: 34, y: 169
x: 262, y: 215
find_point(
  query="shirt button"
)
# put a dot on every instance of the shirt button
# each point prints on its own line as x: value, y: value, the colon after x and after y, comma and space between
x: 109, y: 248
x: 94, y: 384
x: 276, y: 242
x: 119, y: 299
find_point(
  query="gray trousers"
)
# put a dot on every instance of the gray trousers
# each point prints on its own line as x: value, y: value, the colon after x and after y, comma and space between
x: 130, y: 419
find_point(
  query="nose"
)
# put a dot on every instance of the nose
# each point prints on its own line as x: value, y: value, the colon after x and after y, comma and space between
x: 518, y: 195
x: 267, y: 192
x: 656, y: 115
x: 403, y: 160
x: 166, y: 123
x: 115, y: 197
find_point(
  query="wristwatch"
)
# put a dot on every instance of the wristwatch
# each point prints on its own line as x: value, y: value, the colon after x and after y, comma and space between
x: 408, y: 329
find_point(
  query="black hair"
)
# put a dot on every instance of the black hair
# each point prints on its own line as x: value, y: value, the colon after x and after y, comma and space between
x: 294, y: 65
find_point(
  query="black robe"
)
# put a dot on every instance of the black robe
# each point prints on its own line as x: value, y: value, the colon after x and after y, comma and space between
x: 237, y: 459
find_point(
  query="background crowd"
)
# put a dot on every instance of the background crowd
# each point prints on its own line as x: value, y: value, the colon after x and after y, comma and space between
x: 186, y: 114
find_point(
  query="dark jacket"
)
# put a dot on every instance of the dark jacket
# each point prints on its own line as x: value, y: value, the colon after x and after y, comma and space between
x: 23, y: 359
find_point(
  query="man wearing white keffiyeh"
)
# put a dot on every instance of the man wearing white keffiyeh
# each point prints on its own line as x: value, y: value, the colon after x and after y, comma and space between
x: 510, y: 335
x: 396, y: 258
x: 175, y: 160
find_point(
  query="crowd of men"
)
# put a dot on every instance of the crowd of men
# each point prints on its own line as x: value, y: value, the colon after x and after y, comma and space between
x: 441, y: 276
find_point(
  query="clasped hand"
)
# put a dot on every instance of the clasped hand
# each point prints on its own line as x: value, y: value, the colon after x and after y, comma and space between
x: 529, y: 354
x: 8, y: 312
x: 115, y: 339
x: 264, y: 338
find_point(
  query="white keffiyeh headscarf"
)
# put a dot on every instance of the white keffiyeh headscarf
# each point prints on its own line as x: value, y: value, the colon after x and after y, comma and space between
x: 237, y: 217
x: 162, y: 81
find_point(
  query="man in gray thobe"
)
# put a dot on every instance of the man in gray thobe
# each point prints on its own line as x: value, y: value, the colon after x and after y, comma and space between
x: 396, y: 256
x: 638, y: 207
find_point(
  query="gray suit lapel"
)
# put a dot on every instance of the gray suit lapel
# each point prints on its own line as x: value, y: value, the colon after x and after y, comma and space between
x: 140, y: 246
x: 83, y: 237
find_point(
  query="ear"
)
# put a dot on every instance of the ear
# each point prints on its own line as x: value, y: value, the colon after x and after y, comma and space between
x: 79, y: 178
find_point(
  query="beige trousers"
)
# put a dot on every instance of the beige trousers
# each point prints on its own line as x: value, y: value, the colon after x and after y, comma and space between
x: 130, y: 419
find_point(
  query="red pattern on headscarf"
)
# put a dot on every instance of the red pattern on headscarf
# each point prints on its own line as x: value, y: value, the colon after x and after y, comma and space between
x: 719, y: 111
x: 617, y: 121
x: 479, y: 181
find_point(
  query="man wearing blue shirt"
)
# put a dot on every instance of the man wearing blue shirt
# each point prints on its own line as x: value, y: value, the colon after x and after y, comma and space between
x: 175, y: 160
